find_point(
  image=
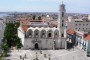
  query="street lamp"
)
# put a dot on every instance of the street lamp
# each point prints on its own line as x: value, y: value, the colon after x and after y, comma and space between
x: 36, y: 56
x: 54, y: 45
x: 49, y: 56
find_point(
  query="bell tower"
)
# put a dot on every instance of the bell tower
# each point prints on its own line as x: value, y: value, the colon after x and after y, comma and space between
x: 62, y: 24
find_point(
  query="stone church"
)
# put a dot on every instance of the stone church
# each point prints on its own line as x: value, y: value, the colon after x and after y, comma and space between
x: 36, y: 34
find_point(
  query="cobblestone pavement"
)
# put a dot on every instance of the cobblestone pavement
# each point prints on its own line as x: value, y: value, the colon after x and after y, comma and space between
x: 73, y: 54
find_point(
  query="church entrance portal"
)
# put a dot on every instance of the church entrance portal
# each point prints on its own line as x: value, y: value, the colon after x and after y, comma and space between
x: 36, y: 46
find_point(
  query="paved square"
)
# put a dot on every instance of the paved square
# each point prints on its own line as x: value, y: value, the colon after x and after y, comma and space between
x: 73, y: 54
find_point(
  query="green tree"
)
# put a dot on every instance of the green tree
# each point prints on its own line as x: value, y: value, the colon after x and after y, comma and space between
x: 16, y: 25
x: 10, y: 34
x: 5, y: 48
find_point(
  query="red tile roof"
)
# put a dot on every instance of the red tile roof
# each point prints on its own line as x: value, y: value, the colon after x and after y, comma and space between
x: 86, y: 38
x: 70, y: 31
x: 24, y: 28
x: 23, y: 25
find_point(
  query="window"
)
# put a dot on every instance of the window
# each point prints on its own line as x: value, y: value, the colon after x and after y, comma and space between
x: 62, y: 20
x: 56, y: 34
x: 43, y: 34
x: 62, y: 25
x: 30, y: 33
x: 36, y: 33
x: 62, y: 35
x: 9, y: 21
x: 49, y: 35
x: 85, y: 44
x: 79, y: 24
x: 75, y: 28
x: 56, y: 26
x: 76, y: 24
x: 62, y: 14
x: 83, y: 24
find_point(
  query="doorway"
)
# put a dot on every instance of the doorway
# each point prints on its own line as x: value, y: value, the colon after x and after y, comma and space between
x: 36, y: 46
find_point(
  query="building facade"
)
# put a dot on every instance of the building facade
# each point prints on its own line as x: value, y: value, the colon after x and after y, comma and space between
x: 37, y: 34
x: 82, y: 24
x: 71, y: 38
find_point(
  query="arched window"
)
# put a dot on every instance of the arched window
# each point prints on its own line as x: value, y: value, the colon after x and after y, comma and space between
x: 62, y: 35
x: 62, y: 14
x: 43, y: 34
x: 49, y: 33
x: 36, y: 33
x: 62, y: 24
x: 56, y: 34
x: 29, y: 33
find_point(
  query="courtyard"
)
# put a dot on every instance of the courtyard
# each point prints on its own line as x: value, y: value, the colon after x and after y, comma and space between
x: 72, y: 54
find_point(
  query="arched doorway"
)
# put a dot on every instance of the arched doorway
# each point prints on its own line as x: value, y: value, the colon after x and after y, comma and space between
x: 36, y: 46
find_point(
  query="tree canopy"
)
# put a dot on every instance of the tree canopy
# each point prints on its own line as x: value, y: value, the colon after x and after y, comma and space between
x: 10, y: 36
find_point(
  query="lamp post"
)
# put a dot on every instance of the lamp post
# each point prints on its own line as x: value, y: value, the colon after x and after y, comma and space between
x: 36, y: 56
x: 54, y: 45
x: 46, y: 45
x: 49, y: 57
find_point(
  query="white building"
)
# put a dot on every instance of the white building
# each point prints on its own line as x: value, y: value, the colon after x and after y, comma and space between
x: 37, y: 34
x: 83, y: 40
x: 82, y: 24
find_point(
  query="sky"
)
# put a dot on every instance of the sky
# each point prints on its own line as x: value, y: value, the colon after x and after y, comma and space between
x: 72, y: 6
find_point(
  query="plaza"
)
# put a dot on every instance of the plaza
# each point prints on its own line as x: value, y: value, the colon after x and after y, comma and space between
x: 62, y: 54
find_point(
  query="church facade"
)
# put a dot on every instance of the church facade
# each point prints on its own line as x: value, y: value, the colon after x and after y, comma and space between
x: 38, y: 35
